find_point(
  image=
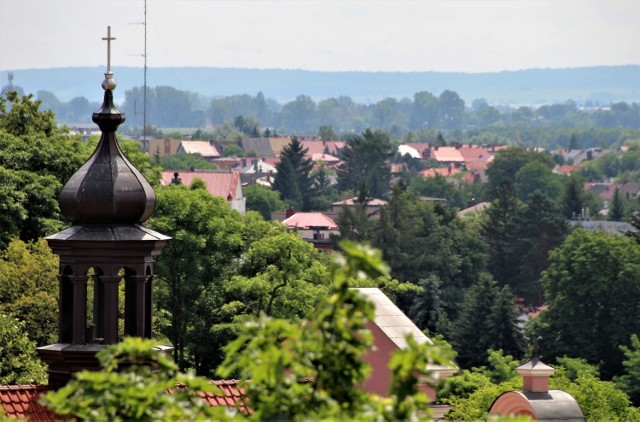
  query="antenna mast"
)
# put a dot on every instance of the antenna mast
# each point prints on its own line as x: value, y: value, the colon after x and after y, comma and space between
x: 145, y: 146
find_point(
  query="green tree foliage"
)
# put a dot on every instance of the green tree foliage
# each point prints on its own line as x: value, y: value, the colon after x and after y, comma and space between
x: 293, y: 179
x: 185, y: 162
x: 233, y: 150
x: 353, y: 221
x: 207, y: 238
x: 324, y: 191
x: 134, y: 384
x: 472, y: 393
x: 628, y: 381
x: 28, y: 288
x: 35, y: 160
x: 166, y: 107
x: 450, y: 110
x: 19, y: 363
x: 263, y: 200
x: 420, y: 239
x: 439, y: 187
x: 508, y: 162
x: 314, y: 370
x: 366, y: 160
x: 428, y: 308
x: 499, y: 231
x: 593, y: 280
x: 487, y: 320
x: 221, y: 268
x: 540, y: 228
x: 617, y: 207
x: 537, y: 176
x: 298, y: 114
x: 573, y: 200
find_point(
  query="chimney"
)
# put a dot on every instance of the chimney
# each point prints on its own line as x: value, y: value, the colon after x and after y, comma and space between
x: 289, y: 212
x: 535, y: 375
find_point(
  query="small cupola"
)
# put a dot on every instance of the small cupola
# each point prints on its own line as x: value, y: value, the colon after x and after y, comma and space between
x: 535, y: 375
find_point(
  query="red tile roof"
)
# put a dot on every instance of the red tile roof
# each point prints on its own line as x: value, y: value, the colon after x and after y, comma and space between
x: 308, y: 220
x: 221, y: 184
x: 233, y: 397
x: 22, y: 401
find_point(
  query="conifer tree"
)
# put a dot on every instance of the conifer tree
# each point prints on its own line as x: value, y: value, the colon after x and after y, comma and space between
x: 541, y: 228
x: 616, y: 210
x: 572, y: 201
x: 487, y: 321
x: 499, y: 231
x: 293, y: 179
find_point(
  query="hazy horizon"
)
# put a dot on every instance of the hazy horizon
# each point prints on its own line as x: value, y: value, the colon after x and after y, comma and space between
x: 461, y: 36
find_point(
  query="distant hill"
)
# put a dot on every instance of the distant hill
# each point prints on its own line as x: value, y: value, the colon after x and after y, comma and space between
x: 603, y: 84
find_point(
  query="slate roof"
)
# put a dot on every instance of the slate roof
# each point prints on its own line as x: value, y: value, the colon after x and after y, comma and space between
x: 261, y: 146
x: 309, y: 220
x: 220, y: 184
x: 204, y: 148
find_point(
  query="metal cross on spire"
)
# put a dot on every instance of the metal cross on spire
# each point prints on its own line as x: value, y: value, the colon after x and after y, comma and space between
x: 108, y: 39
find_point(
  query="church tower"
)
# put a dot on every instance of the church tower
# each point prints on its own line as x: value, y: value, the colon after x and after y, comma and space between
x: 106, y: 255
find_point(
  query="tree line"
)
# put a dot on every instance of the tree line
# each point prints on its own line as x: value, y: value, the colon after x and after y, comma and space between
x: 168, y: 107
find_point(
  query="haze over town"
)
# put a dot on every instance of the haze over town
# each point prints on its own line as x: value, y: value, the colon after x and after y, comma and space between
x: 437, y: 35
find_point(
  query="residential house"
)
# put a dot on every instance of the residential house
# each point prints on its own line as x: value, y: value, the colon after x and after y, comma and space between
x: 163, y: 147
x: 373, y: 205
x: 389, y: 330
x: 565, y: 170
x: 576, y: 157
x: 223, y: 184
x: 423, y: 149
x: 261, y: 147
x: 204, y: 148
x: 321, y: 147
x: 409, y: 150
x: 314, y: 227
x: 278, y: 143
x: 447, y: 155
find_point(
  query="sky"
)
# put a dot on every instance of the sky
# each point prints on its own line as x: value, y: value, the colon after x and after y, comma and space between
x: 391, y: 35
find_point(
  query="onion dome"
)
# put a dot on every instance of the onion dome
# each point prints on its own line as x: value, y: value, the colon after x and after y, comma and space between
x: 107, y: 189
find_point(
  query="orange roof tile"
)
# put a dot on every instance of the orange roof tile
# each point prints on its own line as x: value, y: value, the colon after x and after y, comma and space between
x: 23, y: 402
x: 220, y: 184
x: 308, y: 220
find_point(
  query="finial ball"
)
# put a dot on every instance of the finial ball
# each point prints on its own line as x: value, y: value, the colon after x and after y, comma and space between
x: 109, y: 84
